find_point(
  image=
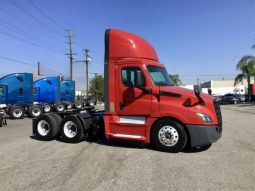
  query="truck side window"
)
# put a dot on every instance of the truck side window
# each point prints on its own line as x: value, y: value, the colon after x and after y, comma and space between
x: 19, y: 78
x: 1, y: 90
x: 49, y: 82
x: 34, y: 90
x: 128, y: 76
x: 21, y: 90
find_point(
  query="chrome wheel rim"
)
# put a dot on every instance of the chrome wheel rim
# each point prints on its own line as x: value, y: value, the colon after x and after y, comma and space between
x: 60, y: 108
x: 36, y: 112
x: 78, y: 105
x: 43, y: 128
x: 70, y: 129
x: 17, y: 113
x: 69, y: 106
x: 168, y: 136
x: 47, y: 108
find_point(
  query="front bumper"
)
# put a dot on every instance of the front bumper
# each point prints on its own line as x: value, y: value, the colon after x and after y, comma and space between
x: 203, y: 135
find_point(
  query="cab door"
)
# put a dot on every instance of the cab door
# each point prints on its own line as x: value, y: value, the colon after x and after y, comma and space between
x: 133, y: 103
x: 36, y: 94
x: 3, y: 94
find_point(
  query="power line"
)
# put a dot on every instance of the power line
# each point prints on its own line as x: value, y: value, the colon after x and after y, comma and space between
x: 54, y: 12
x: 28, y: 42
x: 33, y: 17
x: 22, y: 21
x: 22, y: 32
x: 25, y: 63
x: 14, y: 60
x: 44, y: 14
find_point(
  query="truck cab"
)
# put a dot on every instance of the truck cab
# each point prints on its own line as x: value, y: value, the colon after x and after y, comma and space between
x: 16, y: 95
x: 46, y: 91
x: 143, y: 104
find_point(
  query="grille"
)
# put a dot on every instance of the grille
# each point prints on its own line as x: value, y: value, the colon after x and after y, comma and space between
x: 218, y: 114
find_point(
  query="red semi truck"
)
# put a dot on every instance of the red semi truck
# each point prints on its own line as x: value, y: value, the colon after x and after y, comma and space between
x: 141, y: 103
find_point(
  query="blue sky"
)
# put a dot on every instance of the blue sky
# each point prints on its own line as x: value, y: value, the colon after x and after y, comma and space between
x: 195, y: 39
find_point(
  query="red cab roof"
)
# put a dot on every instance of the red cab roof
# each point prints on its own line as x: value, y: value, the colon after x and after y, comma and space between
x: 121, y: 44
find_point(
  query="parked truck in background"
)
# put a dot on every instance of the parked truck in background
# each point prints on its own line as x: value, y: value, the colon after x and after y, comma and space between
x: 55, y: 95
x: 67, y: 94
x: 16, y: 95
x: 141, y: 103
x: 46, y: 91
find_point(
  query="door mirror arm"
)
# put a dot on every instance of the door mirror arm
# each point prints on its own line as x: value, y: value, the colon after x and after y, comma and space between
x: 145, y: 90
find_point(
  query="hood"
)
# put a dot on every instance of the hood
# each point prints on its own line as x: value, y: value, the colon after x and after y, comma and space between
x: 185, y: 94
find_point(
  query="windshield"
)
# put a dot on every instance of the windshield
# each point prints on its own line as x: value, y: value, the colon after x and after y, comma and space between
x: 159, y: 76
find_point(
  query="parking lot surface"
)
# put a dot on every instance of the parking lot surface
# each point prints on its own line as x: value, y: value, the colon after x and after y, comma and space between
x: 30, y: 164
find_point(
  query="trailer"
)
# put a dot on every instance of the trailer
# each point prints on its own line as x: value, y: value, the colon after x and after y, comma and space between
x: 16, y: 95
x: 141, y: 103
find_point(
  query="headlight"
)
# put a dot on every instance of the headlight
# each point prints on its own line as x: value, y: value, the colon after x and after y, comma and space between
x: 204, y: 117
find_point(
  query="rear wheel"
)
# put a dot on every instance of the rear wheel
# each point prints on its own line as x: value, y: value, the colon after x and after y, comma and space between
x: 47, y: 108
x: 71, y: 129
x: 59, y: 107
x: 17, y: 112
x: 78, y: 104
x: 169, y: 135
x: 34, y: 111
x: 45, y: 127
x: 69, y: 105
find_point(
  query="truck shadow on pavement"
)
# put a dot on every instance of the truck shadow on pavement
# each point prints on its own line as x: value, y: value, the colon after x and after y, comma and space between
x: 124, y: 144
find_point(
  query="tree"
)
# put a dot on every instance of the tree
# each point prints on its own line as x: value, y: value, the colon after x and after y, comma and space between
x: 96, y: 88
x: 176, y: 79
x: 247, y: 68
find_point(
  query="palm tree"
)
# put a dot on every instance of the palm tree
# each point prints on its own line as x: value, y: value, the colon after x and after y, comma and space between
x: 176, y: 79
x: 247, y: 67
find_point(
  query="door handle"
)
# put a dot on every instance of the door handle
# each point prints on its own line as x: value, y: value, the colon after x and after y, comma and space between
x: 121, y: 106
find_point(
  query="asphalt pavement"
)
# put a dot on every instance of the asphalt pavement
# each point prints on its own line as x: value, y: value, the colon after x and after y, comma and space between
x: 30, y: 164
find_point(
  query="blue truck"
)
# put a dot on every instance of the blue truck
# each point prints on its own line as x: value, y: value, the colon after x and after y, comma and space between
x: 16, y: 97
x: 67, y: 94
x: 52, y: 94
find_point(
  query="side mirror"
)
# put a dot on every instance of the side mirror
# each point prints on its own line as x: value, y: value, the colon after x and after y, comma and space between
x: 139, y: 79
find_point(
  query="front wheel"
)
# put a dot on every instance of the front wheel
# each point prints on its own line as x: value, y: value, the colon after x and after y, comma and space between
x: 169, y: 135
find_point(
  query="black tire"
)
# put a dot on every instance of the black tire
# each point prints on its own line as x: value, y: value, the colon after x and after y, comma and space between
x: 59, y: 107
x: 46, y: 127
x: 78, y: 104
x: 34, y: 111
x: 71, y: 129
x: 47, y: 108
x: 58, y: 118
x: 169, y: 135
x: 17, y: 112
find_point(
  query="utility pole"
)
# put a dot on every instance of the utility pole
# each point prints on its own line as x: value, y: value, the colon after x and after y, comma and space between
x: 70, y: 54
x: 87, y: 59
x: 38, y: 69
